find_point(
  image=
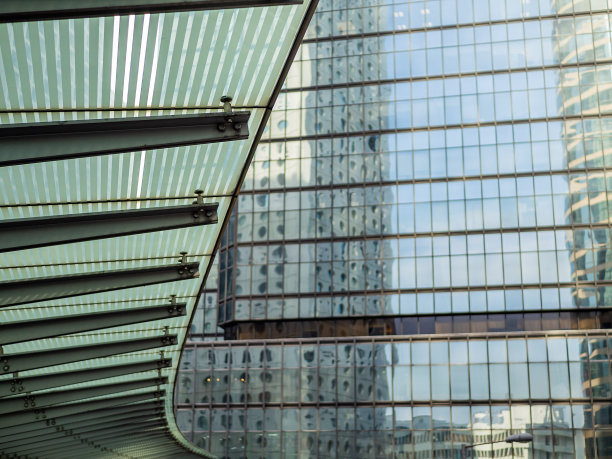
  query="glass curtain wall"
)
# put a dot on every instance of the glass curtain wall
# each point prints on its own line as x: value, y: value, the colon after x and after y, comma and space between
x: 400, y: 397
x: 427, y: 206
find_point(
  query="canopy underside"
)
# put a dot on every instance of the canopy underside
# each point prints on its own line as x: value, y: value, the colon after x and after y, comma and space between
x: 104, y: 240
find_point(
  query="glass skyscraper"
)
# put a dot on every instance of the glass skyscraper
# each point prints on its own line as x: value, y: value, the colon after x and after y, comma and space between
x: 420, y: 256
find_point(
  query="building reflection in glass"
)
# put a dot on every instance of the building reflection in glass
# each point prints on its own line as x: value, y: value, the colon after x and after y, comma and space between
x: 420, y: 256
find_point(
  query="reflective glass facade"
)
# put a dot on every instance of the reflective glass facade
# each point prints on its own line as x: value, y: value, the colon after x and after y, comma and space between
x: 431, y: 168
x: 400, y: 397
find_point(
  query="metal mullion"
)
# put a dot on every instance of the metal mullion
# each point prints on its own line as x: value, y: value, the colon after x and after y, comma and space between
x: 27, y: 330
x: 146, y: 414
x: 156, y: 428
x: 12, y: 404
x: 159, y: 441
x: 154, y: 450
x: 86, y: 418
x: 58, y: 449
x: 160, y: 450
x: 118, y: 432
x: 164, y: 443
x: 162, y: 447
x: 101, y: 427
x: 35, y: 383
x: 483, y: 287
x: 26, y: 417
x: 109, y: 439
x: 414, y: 181
x: 137, y: 423
x: 84, y: 442
x: 47, y: 448
x: 78, y: 451
x: 441, y: 127
x: 50, y: 288
x: 49, y: 141
x: 11, y: 363
x: 440, y: 76
x: 59, y: 429
x: 27, y: 233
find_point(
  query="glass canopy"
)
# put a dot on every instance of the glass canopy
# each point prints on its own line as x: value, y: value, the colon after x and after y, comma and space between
x: 95, y: 309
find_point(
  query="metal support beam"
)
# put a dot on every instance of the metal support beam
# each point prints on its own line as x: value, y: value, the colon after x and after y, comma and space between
x: 41, y: 400
x: 78, y: 452
x: 27, y: 233
x: 10, y: 363
x: 160, y: 449
x: 151, y: 450
x: 40, y: 10
x: 156, y: 450
x: 91, y: 431
x: 54, y: 412
x: 50, y: 288
x: 27, y: 330
x: 172, y: 451
x: 29, y: 384
x: 111, y: 434
x: 60, y: 451
x: 125, y: 433
x: 35, y: 429
x: 83, y: 432
x: 74, y: 428
x: 36, y: 142
x: 105, y: 438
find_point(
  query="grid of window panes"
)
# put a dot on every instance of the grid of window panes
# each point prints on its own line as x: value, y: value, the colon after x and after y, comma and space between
x: 204, y: 326
x: 476, y: 165
x: 399, y: 398
x: 434, y: 167
x: 375, y: 17
x: 487, y: 153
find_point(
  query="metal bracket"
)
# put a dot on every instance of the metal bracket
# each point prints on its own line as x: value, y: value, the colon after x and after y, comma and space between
x: 29, y: 401
x: 187, y: 269
x: 227, y: 106
x: 176, y: 308
x: 199, y: 197
x: 16, y: 385
x: 168, y: 340
x: 229, y: 116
